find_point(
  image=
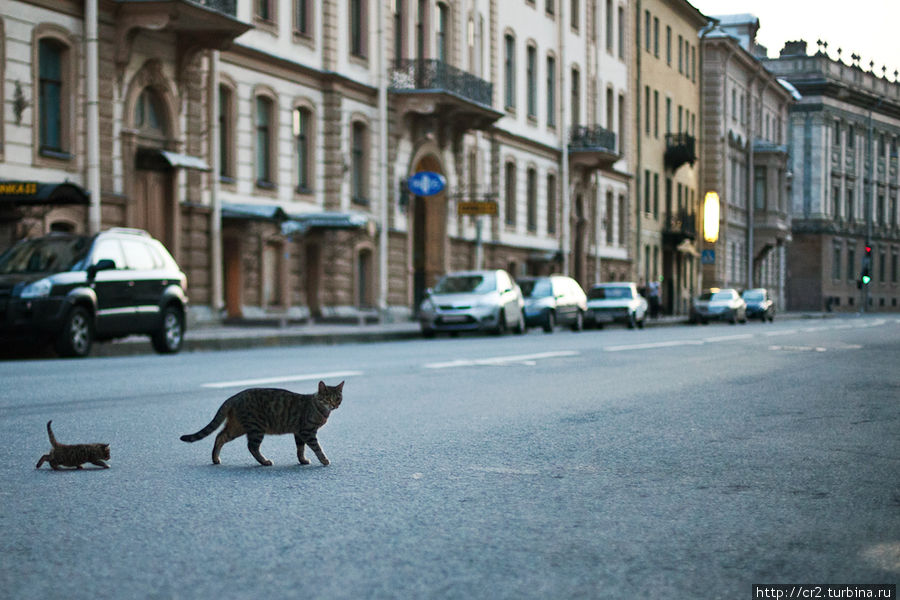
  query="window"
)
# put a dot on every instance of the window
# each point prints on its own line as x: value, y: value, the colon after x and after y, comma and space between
x: 836, y: 261
x: 510, y: 191
x: 620, y: 134
x: 656, y: 114
x: 656, y: 37
x: 52, y: 56
x: 303, y: 18
x: 509, y: 67
x: 359, y: 172
x: 264, y: 142
x: 836, y: 203
x: 551, y: 91
x: 882, y: 264
x: 647, y: 30
x: 851, y: 259
x: 668, y: 115
x: 680, y: 55
x: 549, y: 7
x: 301, y: 126
x: 226, y: 133
x: 443, y: 50
x: 149, y: 116
x: 621, y: 32
x: 609, y: 221
x: 622, y: 214
x: 851, y: 212
x: 851, y: 137
x: 531, y: 182
x: 265, y: 11
x: 551, y: 203
x: 647, y: 109
x: 399, y: 29
x: 576, y: 96
x: 646, y: 190
x: 656, y: 196
x: 759, y: 187
x: 895, y: 265
x: 575, y: 14
x: 668, y: 45
x: 609, y: 26
x: 358, y: 29
x: 532, y: 82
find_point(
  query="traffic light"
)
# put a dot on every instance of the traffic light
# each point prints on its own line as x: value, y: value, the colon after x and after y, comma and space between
x: 866, y: 275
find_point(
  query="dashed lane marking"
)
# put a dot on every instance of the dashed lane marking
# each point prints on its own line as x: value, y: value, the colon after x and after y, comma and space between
x: 286, y: 378
x: 527, y: 359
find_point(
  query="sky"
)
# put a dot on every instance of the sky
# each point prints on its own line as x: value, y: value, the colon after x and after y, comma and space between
x: 865, y: 27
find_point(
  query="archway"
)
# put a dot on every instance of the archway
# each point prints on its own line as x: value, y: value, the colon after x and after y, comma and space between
x: 429, y: 234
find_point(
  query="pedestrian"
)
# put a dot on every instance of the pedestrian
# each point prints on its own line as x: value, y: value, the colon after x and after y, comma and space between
x: 653, y: 298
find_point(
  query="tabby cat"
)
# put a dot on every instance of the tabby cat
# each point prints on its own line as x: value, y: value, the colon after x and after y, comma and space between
x: 258, y: 411
x: 74, y: 455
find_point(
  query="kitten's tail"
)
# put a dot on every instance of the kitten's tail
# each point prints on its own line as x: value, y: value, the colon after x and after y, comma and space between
x: 213, y: 425
x: 53, y: 441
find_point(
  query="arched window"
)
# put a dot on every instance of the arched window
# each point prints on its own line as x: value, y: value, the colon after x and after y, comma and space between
x: 149, y: 114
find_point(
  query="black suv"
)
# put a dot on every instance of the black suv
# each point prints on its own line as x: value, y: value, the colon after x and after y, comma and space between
x: 72, y: 289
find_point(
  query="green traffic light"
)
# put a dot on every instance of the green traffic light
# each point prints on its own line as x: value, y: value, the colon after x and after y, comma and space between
x: 866, y: 279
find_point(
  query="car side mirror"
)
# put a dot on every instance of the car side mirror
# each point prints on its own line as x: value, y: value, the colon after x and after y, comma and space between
x: 104, y: 264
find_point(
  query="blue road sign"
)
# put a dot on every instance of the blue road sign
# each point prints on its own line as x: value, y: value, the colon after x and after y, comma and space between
x: 708, y: 257
x: 426, y: 183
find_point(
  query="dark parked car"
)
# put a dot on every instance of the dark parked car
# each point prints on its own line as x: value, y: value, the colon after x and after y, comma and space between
x: 73, y: 289
x: 760, y: 304
x: 552, y: 300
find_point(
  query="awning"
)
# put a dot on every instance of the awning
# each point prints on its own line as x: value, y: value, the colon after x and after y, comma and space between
x: 157, y: 160
x: 33, y: 192
x: 253, y: 212
x: 302, y: 223
x: 688, y: 248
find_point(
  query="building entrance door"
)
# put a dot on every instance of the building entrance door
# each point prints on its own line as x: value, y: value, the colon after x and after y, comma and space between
x: 429, y: 231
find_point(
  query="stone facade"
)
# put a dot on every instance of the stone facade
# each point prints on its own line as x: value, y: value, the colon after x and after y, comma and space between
x: 745, y: 160
x: 844, y: 142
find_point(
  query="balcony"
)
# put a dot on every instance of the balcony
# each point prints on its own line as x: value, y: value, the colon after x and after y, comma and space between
x: 453, y: 96
x: 680, y: 149
x: 198, y: 24
x: 678, y: 227
x: 592, y: 147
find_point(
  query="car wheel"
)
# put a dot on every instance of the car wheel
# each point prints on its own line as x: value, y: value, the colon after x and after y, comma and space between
x: 519, y: 329
x: 550, y: 322
x: 578, y: 325
x: 640, y: 323
x: 77, y: 335
x: 428, y: 333
x: 170, y: 337
x: 501, y: 324
x: 733, y: 318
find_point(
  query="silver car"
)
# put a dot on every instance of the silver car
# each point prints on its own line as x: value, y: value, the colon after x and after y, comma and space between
x: 616, y: 302
x: 473, y: 301
x: 723, y: 304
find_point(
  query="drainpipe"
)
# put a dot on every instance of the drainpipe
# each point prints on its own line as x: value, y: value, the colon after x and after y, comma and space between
x: 565, y: 242
x: 384, y: 183
x: 637, y: 160
x: 92, y: 116
x: 215, y: 217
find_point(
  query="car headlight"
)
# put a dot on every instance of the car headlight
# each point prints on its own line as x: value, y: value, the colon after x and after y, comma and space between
x: 39, y: 289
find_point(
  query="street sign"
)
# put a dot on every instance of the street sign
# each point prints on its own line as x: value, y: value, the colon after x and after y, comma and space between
x: 426, y: 183
x: 708, y: 257
x: 488, y: 207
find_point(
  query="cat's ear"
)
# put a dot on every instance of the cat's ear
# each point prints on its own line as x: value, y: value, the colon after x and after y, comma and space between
x: 322, y: 388
x: 106, y: 446
x: 340, y: 386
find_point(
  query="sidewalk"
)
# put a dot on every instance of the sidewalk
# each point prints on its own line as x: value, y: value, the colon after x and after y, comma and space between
x: 250, y: 335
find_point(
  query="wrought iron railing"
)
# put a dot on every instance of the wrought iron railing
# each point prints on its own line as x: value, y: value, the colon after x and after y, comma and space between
x: 436, y: 75
x: 680, y: 149
x: 591, y: 137
x: 681, y: 224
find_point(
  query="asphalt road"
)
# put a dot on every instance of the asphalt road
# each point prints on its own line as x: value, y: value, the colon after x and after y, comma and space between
x: 677, y: 462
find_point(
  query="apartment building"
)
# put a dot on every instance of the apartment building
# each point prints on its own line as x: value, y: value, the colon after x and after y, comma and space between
x: 744, y: 159
x: 844, y: 138
x: 667, y: 93
x: 270, y: 144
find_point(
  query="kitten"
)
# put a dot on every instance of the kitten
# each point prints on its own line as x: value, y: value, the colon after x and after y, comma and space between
x: 258, y: 411
x: 74, y: 455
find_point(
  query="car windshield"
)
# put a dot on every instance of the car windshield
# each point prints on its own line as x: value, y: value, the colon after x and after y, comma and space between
x: 754, y: 296
x: 610, y: 293
x: 475, y: 283
x: 715, y: 296
x: 44, y: 255
x: 536, y: 288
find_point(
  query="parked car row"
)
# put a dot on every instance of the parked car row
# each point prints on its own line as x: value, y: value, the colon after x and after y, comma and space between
x: 491, y: 300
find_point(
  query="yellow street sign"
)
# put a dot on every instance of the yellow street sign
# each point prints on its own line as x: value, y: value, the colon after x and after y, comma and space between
x: 477, y: 208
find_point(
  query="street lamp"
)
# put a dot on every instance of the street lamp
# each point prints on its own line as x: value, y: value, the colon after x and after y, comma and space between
x: 711, y: 217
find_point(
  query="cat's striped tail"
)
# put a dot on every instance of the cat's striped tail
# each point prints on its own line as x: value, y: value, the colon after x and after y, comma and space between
x: 53, y: 441
x: 213, y: 425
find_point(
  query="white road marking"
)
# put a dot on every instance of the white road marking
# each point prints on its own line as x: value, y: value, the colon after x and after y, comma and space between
x: 526, y: 359
x: 728, y: 338
x: 785, y: 332
x: 267, y: 380
x: 653, y: 345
